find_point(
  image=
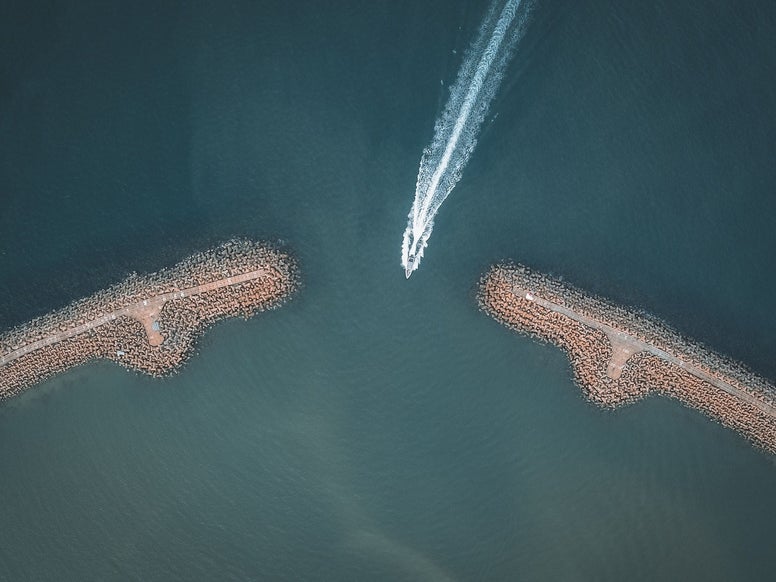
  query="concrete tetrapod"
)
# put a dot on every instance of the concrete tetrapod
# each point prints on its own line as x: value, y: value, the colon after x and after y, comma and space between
x: 148, y: 323
x: 618, y: 355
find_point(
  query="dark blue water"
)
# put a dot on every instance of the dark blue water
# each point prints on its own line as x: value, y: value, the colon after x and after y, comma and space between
x: 377, y: 428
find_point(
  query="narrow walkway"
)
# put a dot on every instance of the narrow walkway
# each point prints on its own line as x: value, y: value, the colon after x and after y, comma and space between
x: 625, y: 345
x: 145, y: 311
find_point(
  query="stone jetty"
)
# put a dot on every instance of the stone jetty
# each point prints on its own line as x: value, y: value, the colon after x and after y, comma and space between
x: 149, y: 322
x: 618, y: 355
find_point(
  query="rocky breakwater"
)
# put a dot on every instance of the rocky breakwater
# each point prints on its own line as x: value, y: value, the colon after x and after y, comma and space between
x: 149, y: 323
x: 618, y: 355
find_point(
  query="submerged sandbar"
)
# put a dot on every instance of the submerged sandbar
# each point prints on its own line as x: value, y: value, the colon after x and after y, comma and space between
x: 618, y: 355
x: 148, y: 323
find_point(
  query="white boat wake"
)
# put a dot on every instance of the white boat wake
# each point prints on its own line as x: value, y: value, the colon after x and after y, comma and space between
x: 456, y: 130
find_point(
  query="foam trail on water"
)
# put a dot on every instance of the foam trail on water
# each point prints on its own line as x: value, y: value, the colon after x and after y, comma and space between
x: 456, y: 130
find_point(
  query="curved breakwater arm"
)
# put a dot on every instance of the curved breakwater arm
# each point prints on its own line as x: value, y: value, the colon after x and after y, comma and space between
x: 619, y: 356
x: 150, y: 323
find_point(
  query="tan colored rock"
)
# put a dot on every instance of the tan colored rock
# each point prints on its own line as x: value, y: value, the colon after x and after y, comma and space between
x: 148, y: 323
x: 619, y: 356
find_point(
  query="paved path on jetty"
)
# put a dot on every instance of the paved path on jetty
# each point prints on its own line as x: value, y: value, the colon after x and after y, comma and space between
x: 145, y: 311
x: 625, y: 345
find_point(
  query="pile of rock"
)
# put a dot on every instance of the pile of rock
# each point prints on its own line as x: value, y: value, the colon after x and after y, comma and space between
x: 513, y: 295
x: 102, y: 325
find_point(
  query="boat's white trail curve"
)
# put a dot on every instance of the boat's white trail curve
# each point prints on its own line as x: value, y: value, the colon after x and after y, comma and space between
x: 457, y: 128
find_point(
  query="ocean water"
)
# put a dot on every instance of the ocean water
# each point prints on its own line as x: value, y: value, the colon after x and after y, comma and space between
x: 376, y: 428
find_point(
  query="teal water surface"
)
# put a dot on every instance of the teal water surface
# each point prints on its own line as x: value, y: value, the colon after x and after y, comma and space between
x: 376, y: 428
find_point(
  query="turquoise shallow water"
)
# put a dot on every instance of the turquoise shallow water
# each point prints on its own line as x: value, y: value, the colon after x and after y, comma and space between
x: 377, y: 428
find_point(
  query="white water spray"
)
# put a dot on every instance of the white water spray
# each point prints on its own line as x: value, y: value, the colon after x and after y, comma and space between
x: 456, y: 130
